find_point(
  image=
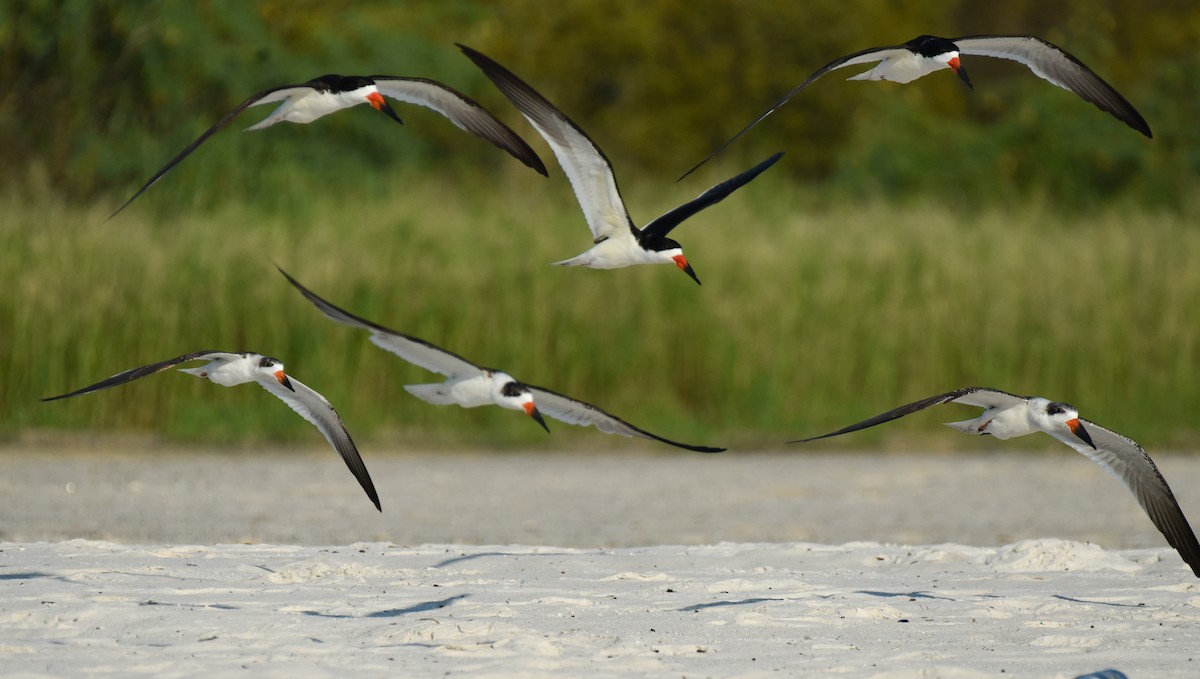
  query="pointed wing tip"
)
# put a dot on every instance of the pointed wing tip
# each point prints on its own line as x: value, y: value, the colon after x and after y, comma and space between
x: 694, y: 168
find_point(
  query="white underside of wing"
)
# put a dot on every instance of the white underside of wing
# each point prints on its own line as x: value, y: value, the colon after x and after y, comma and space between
x: 311, y: 406
x: 990, y: 398
x: 425, y: 355
x: 432, y: 96
x: 594, y: 184
x: 1045, y: 61
x: 582, y: 414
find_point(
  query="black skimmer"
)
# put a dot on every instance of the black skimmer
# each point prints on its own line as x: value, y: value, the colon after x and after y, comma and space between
x: 1006, y: 416
x: 329, y: 93
x: 470, y: 386
x: 927, y: 53
x: 230, y: 369
x: 618, y: 243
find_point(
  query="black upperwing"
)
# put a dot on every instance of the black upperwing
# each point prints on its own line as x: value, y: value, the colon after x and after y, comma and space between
x: 135, y: 373
x: 897, y: 413
x: 217, y: 127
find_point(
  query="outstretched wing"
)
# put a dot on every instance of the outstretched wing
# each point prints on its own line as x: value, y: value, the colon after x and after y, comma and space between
x: 583, y: 162
x: 313, y: 407
x: 461, y: 110
x: 1127, y: 461
x: 571, y: 411
x: 662, y: 225
x: 973, y: 396
x: 866, y: 56
x: 1051, y: 63
x: 412, y: 349
x: 264, y: 97
x: 135, y: 373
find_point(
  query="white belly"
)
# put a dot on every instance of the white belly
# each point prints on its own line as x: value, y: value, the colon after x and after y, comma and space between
x: 616, y: 253
x: 903, y: 69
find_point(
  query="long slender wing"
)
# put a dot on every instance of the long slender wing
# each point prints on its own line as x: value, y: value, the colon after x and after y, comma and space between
x: 974, y: 396
x: 571, y: 411
x: 135, y: 373
x: 1053, y: 64
x: 461, y: 110
x: 585, y: 165
x: 869, y: 55
x: 1127, y: 461
x: 264, y: 97
x: 313, y: 407
x: 412, y: 349
x: 662, y: 225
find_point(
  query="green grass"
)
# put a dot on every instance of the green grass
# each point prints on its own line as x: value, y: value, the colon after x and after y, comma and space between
x: 811, y: 315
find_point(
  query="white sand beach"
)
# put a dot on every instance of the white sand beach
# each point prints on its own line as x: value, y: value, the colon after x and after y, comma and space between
x: 609, y: 564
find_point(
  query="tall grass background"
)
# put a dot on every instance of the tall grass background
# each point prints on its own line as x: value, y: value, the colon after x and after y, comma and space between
x: 809, y: 318
x: 913, y: 240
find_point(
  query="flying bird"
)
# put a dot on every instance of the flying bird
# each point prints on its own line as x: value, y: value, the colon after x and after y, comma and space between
x: 469, y: 385
x: 927, y: 53
x: 231, y: 369
x: 617, y: 242
x: 1006, y: 416
x: 321, y: 96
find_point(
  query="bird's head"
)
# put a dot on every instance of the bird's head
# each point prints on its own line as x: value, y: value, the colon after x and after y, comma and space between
x: 516, y: 396
x: 377, y: 102
x: 954, y: 64
x: 940, y: 50
x: 1052, y: 415
x: 274, y: 368
x: 669, y: 250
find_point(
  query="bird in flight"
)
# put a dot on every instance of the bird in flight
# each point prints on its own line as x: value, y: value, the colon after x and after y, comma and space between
x: 927, y: 53
x: 1007, y: 415
x: 321, y: 96
x: 469, y: 385
x: 230, y: 369
x: 617, y: 242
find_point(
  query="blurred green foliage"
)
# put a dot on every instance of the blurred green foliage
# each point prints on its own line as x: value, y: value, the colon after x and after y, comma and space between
x: 97, y: 94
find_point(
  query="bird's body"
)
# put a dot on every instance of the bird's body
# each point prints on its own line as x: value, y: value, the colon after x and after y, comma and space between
x: 230, y: 369
x: 319, y: 98
x: 926, y: 54
x: 1008, y: 416
x: 469, y: 385
x: 617, y: 242
x: 330, y: 93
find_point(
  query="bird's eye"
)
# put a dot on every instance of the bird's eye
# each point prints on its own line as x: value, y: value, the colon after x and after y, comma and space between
x: 1055, y: 409
x: 266, y: 362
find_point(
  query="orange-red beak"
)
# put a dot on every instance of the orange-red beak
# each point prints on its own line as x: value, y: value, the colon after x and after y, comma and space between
x: 378, y: 103
x: 1077, y: 429
x: 532, y: 411
x: 956, y: 66
x: 284, y: 380
x: 682, y: 263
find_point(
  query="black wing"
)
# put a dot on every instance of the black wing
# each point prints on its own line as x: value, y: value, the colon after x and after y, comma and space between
x: 662, y: 225
x: 135, y: 373
x: 964, y: 395
x: 861, y: 57
x: 264, y: 97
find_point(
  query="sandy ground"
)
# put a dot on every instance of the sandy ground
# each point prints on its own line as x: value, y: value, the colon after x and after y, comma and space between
x: 607, y: 564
